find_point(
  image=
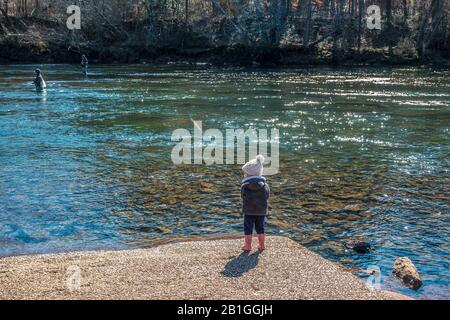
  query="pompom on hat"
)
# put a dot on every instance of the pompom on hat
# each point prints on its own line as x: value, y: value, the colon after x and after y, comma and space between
x: 254, y: 167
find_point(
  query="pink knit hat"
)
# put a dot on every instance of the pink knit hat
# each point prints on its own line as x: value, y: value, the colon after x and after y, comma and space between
x: 254, y: 167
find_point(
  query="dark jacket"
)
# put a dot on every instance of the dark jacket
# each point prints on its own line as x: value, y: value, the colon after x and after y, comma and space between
x: 39, y: 82
x: 255, y: 193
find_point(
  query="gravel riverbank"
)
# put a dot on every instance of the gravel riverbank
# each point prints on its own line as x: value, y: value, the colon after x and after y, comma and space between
x: 214, y: 269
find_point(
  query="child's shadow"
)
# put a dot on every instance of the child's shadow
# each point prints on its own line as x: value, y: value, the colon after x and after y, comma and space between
x: 241, y: 264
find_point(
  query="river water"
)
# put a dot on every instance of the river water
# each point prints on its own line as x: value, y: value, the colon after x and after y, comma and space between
x: 364, y: 154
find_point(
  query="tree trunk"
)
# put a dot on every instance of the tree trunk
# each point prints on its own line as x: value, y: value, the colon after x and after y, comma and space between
x: 4, y: 8
x: 437, y: 8
x: 389, y: 24
x: 333, y: 8
x: 423, y: 21
x: 337, y: 31
x: 326, y: 7
x: 360, y: 22
x: 308, y: 23
x: 405, y: 10
x: 278, y: 18
x: 288, y: 7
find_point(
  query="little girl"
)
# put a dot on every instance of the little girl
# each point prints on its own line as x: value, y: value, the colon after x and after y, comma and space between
x: 255, y: 193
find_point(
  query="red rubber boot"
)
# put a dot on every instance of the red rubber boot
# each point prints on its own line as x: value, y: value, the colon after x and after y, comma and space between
x: 262, y: 242
x: 247, y: 243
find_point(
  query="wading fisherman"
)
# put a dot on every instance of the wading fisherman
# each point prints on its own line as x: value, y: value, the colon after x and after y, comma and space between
x: 39, y: 81
x: 84, y: 64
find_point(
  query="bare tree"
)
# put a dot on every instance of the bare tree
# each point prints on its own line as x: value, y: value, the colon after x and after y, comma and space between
x: 338, y: 24
x: 4, y: 7
x: 309, y: 22
x: 360, y: 22
x: 389, y: 24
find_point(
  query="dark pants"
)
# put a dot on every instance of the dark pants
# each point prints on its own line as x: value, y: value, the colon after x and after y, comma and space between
x: 254, y: 222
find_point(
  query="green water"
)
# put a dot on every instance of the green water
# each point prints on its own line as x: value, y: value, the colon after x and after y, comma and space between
x: 364, y: 154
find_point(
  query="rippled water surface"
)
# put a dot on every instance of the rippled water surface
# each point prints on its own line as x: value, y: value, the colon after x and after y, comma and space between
x: 364, y: 155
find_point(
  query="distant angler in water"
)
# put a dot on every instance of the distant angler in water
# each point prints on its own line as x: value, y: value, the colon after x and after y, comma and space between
x: 39, y: 81
x: 84, y: 64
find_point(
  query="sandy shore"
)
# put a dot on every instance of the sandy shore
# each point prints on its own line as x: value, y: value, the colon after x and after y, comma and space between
x: 192, y: 270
